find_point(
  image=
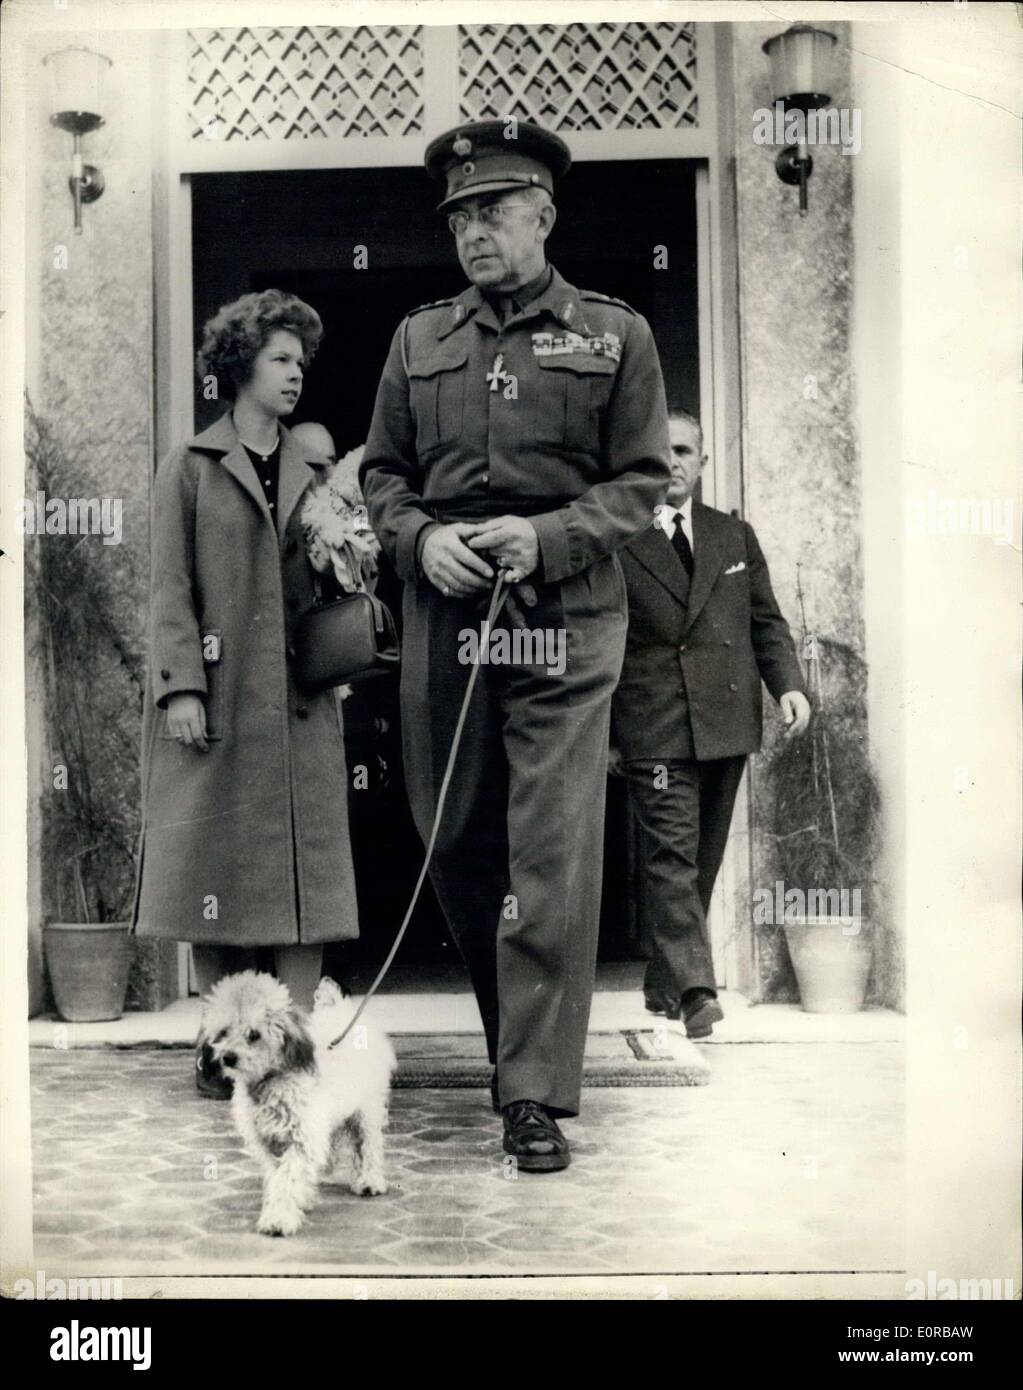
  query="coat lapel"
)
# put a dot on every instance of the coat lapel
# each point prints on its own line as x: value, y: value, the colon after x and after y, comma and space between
x: 297, y: 472
x: 709, y: 530
x: 654, y: 552
x: 221, y: 440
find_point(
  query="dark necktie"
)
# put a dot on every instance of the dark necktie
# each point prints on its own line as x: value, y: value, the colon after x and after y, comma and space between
x: 680, y: 542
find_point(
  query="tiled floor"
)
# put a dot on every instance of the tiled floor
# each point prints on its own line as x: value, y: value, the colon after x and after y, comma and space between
x: 790, y: 1160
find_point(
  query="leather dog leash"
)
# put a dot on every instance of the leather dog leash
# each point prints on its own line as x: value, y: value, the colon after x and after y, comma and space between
x: 497, y: 599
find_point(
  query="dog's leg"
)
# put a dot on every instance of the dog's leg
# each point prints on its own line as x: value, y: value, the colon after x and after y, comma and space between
x: 288, y: 1191
x: 340, y: 1161
x: 369, y: 1149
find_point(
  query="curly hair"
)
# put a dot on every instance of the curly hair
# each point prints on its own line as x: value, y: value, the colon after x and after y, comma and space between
x: 238, y: 331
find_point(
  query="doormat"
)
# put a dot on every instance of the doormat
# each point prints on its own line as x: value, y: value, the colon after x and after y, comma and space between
x: 642, y: 1058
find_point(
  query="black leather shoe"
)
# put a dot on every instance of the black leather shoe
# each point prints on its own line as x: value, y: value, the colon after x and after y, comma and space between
x: 209, y: 1079
x: 667, y: 1004
x: 533, y: 1138
x: 701, y: 1012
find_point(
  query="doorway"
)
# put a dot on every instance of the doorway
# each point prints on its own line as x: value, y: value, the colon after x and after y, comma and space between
x: 625, y: 228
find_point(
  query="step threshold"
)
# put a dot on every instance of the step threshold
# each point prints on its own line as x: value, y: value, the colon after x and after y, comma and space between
x: 613, y: 1011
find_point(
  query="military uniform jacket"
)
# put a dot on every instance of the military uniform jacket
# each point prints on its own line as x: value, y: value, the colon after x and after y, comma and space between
x: 558, y: 415
x: 697, y: 650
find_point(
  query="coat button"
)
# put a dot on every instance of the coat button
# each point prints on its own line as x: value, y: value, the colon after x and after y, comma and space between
x: 681, y: 690
x: 485, y: 477
x: 289, y: 652
x: 732, y: 685
x: 681, y: 650
x: 165, y: 675
x: 302, y: 711
x: 728, y: 641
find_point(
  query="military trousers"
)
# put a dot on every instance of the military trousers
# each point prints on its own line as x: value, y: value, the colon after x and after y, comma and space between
x: 518, y: 857
x: 683, y: 809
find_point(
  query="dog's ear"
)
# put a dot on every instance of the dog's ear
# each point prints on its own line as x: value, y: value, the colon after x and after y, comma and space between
x: 297, y: 1051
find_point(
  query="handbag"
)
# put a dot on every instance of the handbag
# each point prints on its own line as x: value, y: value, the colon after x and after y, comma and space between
x: 345, y: 640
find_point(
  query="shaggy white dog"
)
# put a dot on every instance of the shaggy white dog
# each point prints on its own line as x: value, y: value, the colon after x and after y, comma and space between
x: 305, y: 1113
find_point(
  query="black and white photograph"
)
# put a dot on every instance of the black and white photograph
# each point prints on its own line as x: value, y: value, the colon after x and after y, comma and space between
x: 510, y: 573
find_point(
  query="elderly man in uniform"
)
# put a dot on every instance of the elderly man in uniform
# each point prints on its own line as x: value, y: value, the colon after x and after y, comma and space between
x: 519, y: 425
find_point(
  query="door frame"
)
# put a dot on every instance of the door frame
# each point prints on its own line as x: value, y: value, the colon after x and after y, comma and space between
x: 176, y: 157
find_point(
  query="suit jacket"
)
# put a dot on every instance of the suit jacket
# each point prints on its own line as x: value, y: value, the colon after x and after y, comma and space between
x: 697, y: 650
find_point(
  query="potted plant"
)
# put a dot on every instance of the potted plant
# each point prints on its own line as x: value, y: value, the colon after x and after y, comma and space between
x: 824, y: 806
x: 79, y: 601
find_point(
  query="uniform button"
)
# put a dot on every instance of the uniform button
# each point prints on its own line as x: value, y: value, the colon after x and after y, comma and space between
x: 681, y: 649
x: 289, y: 652
x: 486, y: 477
x: 681, y: 690
x: 732, y: 685
x: 728, y: 641
x: 165, y: 675
x: 301, y: 711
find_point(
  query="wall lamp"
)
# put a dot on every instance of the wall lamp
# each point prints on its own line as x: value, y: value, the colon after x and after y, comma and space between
x: 77, y: 79
x: 802, y: 72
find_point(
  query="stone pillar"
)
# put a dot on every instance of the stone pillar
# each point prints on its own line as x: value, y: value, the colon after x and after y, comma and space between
x: 92, y: 354
x: 801, y: 469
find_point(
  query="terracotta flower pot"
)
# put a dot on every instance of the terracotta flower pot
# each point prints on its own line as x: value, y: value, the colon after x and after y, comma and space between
x: 88, y: 963
x: 832, y: 964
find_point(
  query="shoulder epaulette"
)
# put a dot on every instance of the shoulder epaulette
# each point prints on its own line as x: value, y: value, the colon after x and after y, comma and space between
x: 437, y: 304
x: 605, y: 299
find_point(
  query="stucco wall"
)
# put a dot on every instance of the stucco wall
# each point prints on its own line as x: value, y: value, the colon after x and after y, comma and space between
x: 801, y: 469
x: 91, y: 374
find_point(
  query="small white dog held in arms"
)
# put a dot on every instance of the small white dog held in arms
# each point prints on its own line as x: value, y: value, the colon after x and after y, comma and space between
x: 303, y: 1111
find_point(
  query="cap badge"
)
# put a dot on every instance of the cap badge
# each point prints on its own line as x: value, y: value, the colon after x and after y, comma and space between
x: 462, y: 147
x: 468, y: 167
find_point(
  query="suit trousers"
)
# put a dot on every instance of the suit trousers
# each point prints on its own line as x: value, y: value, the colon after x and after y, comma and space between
x: 683, y: 809
x: 518, y: 858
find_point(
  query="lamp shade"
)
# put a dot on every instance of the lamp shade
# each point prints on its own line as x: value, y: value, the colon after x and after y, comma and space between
x: 802, y: 66
x: 77, y: 87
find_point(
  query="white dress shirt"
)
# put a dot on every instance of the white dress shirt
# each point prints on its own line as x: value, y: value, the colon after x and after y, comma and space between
x: 664, y: 517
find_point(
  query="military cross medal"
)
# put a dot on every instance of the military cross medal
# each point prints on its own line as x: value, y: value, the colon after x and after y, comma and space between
x: 497, y: 372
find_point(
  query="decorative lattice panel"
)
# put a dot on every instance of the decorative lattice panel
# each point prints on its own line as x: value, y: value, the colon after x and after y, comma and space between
x: 580, y: 76
x: 305, y: 84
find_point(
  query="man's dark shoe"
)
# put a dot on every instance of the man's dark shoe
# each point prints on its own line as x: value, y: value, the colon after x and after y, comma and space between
x: 701, y: 1011
x: 209, y: 1079
x: 533, y: 1138
x: 659, y: 1003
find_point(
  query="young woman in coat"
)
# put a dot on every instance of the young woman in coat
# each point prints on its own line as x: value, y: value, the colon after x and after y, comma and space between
x: 245, y: 838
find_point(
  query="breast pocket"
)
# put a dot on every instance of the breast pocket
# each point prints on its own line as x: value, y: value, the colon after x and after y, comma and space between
x: 437, y: 397
x: 573, y: 391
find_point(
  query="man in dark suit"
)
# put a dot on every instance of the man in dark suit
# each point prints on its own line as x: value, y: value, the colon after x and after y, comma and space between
x: 704, y: 631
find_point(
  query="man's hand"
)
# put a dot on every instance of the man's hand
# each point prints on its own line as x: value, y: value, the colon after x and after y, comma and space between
x: 796, y: 709
x: 513, y: 542
x: 450, y: 565
x: 186, y: 721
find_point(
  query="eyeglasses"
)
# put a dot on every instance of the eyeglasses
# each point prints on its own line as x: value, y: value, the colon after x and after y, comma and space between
x: 490, y: 216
